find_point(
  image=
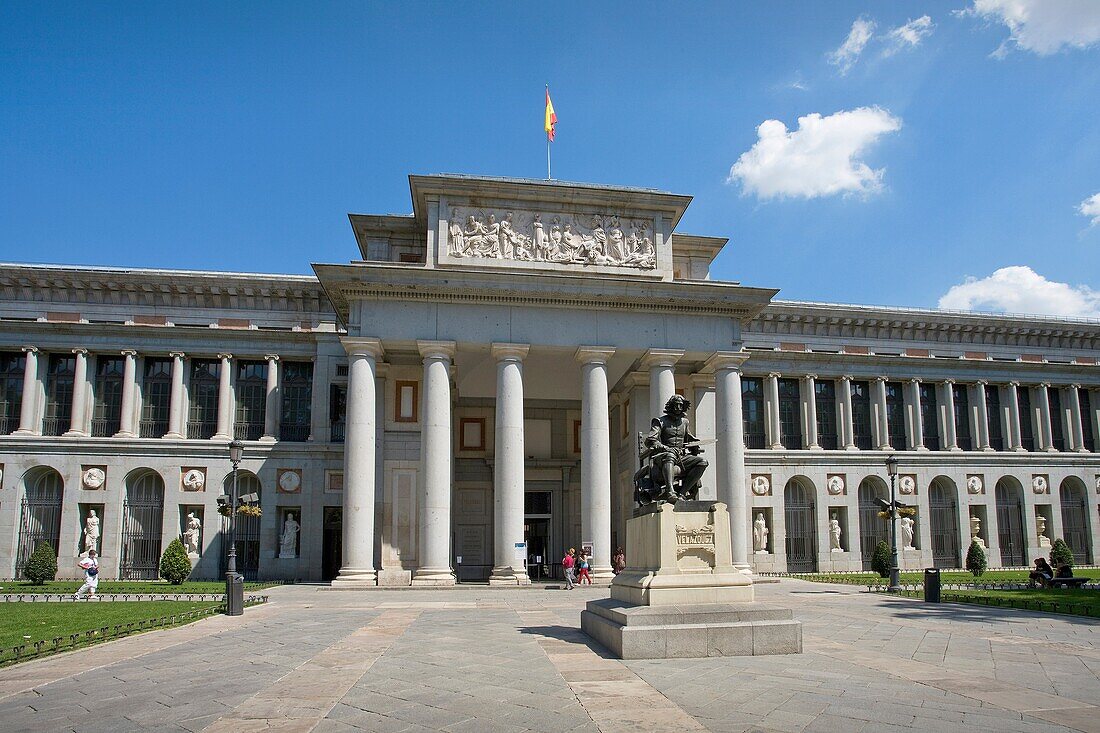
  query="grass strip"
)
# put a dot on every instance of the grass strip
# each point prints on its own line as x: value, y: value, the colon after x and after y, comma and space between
x: 1068, y: 600
x: 132, y: 587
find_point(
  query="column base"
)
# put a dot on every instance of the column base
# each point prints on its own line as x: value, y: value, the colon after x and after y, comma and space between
x: 988, y: 449
x: 122, y: 434
x: 815, y: 446
x: 1019, y: 449
x: 172, y: 436
x: 851, y: 447
x: 74, y: 434
x: 955, y: 449
x: 355, y: 578
x: 921, y: 449
x: 221, y: 436
x: 433, y: 578
x: 745, y: 568
x: 1051, y: 449
x: 776, y: 446
x: 601, y: 576
x: 268, y: 439
x: 508, y: 575
x: 21, y: 431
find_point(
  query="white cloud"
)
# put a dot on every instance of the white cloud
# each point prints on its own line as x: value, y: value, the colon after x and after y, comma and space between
x: 1090, y: 207
x: 1019, y: 289
x: 846, y: 56
x: 909, y: 35
x: 820, y: 158
x: 1042, y: 26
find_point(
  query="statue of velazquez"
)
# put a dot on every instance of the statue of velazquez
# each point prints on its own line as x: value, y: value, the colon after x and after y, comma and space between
x: 671, y: 464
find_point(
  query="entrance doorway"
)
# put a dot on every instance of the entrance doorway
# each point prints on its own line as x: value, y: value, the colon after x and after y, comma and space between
x: 872, y: 528
x: 801, y: 540
x: 536, y: 532
x: 944, y: 523
x: 332, y: 542
x: 1010, y: 522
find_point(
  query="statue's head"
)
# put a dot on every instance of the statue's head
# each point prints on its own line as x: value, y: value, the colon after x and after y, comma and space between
x: 677, y: 405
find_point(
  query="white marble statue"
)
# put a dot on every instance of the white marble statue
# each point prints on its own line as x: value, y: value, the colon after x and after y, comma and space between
x: 192, y: 535
x: 760, y: 535
x: 907, y: 533
x: 91, y: 532
x: 93, y: 478
x: 907, y: 485
x: 975, y: 531
x: 761, y: 485
x: 834, y: 535
x: 288, y: 542
x: 1041, y: 530
x: 456, y: 241
x: 835, y: 485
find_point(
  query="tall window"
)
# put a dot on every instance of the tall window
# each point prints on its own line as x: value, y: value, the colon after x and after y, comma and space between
x: 11, y: 391
x: 861, y: 415
x: 825, y: 402
x: 297, y: 401
x: 790, y: 425
x: 59, y: 394
x: 251, y: 399
x: 1056, y: 433
x: 337, y: 407
x: 962, y: 417
x: 993, y: 417
x: 1086, y: 419
x: 895, y: 415
x: 156, y: 397
x: 1027, y: 431
x: 107, y: 409
x: 929, y: 423
x: 752, y: 406
x: 202, y: 409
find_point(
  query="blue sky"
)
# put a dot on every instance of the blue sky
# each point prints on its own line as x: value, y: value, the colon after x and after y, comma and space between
x: 237, y: 136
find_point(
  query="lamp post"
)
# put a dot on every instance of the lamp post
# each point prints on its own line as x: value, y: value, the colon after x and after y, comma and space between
x: 892, y: 470
x: 234, y: 588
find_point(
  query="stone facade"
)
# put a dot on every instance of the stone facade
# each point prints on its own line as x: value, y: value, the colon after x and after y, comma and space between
x: 433, y: 412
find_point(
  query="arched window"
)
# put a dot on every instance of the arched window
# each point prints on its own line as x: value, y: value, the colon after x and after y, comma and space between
x: 1075, y: 528
x: 247, y: 529
x: 1010, y: 522
x: 872, y: 528
x: 944, y: 522
x: 801, y: 520
x: 40, y: 518
x: 142, y: 522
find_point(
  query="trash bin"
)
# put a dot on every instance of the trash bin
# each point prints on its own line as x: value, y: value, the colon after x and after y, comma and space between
x: 234, y: 599
x: 931, y: 585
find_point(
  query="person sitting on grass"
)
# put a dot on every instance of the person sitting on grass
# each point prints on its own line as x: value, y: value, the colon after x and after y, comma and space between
x: 90, y: 566
x: 1041, y: 575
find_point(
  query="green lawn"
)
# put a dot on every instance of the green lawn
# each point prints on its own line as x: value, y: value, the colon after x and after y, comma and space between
x: 127, y: 586
x: 1064, y: 600
x: 947, y: 576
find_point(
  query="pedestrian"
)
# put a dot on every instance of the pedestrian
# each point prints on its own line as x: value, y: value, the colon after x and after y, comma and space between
x: 568, y: 564
x: 90, y: 566
x: 618, y: 562
x: 584, y: 569
x: 1042, y: 574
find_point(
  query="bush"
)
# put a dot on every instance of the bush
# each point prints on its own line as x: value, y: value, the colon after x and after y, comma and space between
x: 880, y: 559
x: 975, y: 559
x: 1060, y: 554
x: 42, y: 565
x: 175, y: 566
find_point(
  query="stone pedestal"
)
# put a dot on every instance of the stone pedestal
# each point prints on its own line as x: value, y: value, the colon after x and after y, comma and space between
x: 682, y: 597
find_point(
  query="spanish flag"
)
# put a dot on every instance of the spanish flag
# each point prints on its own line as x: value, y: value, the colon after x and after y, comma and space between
x: 551, y: 117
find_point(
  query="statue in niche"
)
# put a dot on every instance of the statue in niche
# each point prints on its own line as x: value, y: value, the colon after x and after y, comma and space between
x: 760, y: 535
x: 975, y: 531
x: 670, y: 456
x: 1041, y: 530
x: 288, y: 541
x: 192, y: 537
x: 906, y: 533
x: 456, y: 241
x: 834, y: 535
x: 91, y: 532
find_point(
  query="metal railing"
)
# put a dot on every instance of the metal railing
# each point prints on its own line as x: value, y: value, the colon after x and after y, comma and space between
x: 337, y: 432
x: 54, y: 426
x: 248, y: 430
x: 152, y: 428
x: 104, y: 427
x: 296, y: 433
x: 202, y: 430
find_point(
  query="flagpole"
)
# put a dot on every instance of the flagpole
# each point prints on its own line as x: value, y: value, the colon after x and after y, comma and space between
x: 548, y: 158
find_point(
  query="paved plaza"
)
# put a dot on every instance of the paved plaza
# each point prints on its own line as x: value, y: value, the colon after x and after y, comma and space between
x: 482, y: 659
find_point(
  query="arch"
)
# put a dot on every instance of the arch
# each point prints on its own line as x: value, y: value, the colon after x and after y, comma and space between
x: 943, y: 522
x: 801, y: 520
x: 142, y: 525
x: 1075, y: 524
x: 247, y: 531
x: 1010, y: 521
x: 40, y: 516
x: 872, y: 528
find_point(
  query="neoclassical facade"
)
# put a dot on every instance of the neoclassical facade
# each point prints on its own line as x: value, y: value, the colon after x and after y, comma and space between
x: 464, y: 402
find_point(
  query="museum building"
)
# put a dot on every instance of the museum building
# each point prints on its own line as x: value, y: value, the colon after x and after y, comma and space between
x: 464, y: 403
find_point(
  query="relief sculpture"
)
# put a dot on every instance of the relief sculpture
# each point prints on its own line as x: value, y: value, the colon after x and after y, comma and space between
x: 564, y: 239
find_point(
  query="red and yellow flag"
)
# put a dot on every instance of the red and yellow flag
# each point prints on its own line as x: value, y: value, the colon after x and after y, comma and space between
x: 551, y: 117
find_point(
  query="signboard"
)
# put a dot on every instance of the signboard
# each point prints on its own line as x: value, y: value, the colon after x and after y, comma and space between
x: 458, y: 560
x: 521, y: 553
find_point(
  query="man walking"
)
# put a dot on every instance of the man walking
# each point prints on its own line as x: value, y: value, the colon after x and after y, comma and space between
x: 90, y: 566
x: 567, y: 564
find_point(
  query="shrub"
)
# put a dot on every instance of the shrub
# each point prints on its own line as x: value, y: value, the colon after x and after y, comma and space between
x: 880, y: 559
x: 1060, y: 554
x: 975, y: 559
x: 42, y: 565
x: 175, y: 566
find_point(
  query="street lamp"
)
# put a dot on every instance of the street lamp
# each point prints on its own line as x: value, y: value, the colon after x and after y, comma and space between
x: 892, y: 470
x: 234, y: 588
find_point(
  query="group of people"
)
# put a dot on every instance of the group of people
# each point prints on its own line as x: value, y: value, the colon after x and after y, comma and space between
x: 577, y: 567
x: 1044, y: 572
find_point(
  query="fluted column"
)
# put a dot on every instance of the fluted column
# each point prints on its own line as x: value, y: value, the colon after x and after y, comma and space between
x: 1015, y: 436
x: 225, y: 398
x: 176, y: 426
x: 77, y: 426
x: 435, y: 466
x: 729, y: 451
x: 662, y: 376
x: 916, y: 419
x: 846, y: 423
x: 1075, y: 422
x: 950, y: 438
x: 508, y: 468
x: 775, y: 432
x: 360, y: 463
x: 29, y: 421
x: 1094, y: 408
x: 273, y: 403
x: 596, y: 459
x: 983, y: 416
x: 1045, y: 427
x: 129, y: 389
x: 809, y: 412
x: 882, y: 425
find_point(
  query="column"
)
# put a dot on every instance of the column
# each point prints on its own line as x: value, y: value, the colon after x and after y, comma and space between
x: 508, y: 476
x: 176, y: 425
x: 775, y: 437
x: 1047, y: 434
x: 29, y: 421
x: 129, y: 388
x: 846, y: 427
x: 80, y: 394
x: 950, y: 441
x: 882, y: 426
x: 916, y: 419
x: 225, y: 398
x: 1015, y: 437
x: 729, y: 452
x: 360, y: 457
x: 662, y: 376
x: 435, y: 466
x: 703, y: 425
x: 1094, y: 408
x: 809, y: 412
x: 596, y: 459
x: 1075, y: 422
x: 273, y: 403
x: 983, y: 415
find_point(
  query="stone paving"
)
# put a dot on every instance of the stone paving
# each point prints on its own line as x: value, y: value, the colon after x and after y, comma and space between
x: 479, y: 660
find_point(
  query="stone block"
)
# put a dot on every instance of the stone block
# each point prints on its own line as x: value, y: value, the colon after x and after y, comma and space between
x: 730, y: 640
x: 776, y: 637
x: 391, y: 578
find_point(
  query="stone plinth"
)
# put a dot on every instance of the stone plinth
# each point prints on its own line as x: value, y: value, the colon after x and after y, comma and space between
x: 682, y: 597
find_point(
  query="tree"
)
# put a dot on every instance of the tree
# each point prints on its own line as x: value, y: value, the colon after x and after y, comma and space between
x: 975, y: 559
x: 42, y: 565
x: 175, y: 566
x: 1060, y: 554
x: 880, y: 559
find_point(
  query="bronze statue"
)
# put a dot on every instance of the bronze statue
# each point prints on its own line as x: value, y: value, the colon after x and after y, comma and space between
x: 671, y: 464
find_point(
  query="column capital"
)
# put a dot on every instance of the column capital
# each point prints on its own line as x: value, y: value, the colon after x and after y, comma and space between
x: 593, y: 354
x: 811, y: 377
x: 1013, y: 383
x: 981, y: 383
x: 225, y: 357
x: 30, y: 349
x: 1045, y: 385
x: 846, y: 377
x: 774, y: 375
x: 129, y: 352
x: 515, y: 352
x: 176, y: 354
x: 723, y: 360
x: 436, y: 349
x: 880, y: 379
x: 1075, y: 385
x: 81, y: 351
x: 913, y: 380
x: 661, y: 357
x: 362, y: 346
x: 949, y: 382
x: 702, y: 380
x: 271, y: 357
